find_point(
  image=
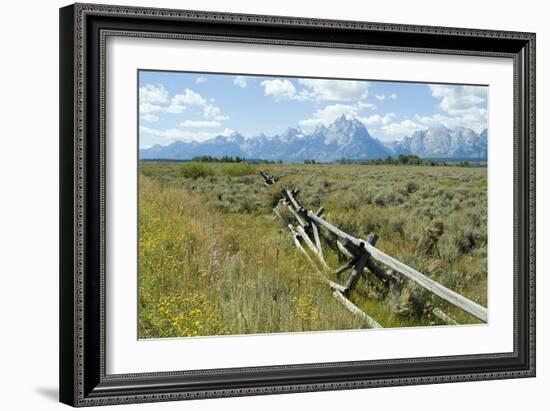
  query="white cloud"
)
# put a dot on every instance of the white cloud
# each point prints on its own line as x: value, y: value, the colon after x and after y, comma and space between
x: 476, y: 119
x: 200, y: 80
x: 457, y: 100
x: 316, y: 89
x: 240, y: 81
x: 335, y: 89
x: 188, y: 97
x: 153, y: 94
x: 226, y: 132
x: 200, y: 123
x: 174, y: 134
x: 151, y: 98
x: 401, y: 129
x: 280, y: 89
x: 167, y: 134
x: 464, y: 106
x: 461, y: 106
x: 192, y: 98
x: 377, y: 119
x: 145, y: 108
x: 174, y: 108
x: 363, y: 105
x: 212, y: 112
x: 150, y: 118
x: 392, y: 96
x: 330, y: 113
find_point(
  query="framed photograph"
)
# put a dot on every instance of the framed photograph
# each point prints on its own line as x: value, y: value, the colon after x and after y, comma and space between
x: 262, y: 204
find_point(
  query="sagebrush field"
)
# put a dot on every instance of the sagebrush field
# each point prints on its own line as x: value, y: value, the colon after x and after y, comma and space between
x: 214, y: 259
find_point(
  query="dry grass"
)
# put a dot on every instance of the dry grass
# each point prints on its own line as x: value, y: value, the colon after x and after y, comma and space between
x: 214, y: 259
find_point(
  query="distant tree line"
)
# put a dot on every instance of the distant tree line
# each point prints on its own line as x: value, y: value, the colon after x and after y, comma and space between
x: 230, y: 159
x: 406, y: 159
x: 224, y: 159
x: 402, y: 159
x: 261, y: 161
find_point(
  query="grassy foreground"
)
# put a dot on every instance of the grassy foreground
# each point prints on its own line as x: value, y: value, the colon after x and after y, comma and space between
x: 215, y: 260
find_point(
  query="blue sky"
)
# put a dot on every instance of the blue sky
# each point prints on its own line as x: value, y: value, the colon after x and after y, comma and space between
x: 198, y: 106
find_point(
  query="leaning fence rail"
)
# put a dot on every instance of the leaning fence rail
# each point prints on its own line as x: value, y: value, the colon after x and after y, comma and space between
x: 361, y: 254
x: 422, y: 280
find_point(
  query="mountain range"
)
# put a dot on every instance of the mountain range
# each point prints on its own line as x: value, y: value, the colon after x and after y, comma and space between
x: 345, y: 138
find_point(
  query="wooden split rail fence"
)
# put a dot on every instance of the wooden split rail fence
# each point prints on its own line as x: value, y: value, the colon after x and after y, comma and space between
x: 363, y: 258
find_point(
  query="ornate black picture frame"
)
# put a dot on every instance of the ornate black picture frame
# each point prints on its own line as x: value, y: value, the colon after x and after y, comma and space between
x: 83, y: 30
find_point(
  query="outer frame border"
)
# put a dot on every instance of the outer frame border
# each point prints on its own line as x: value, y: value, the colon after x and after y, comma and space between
x: 83, y: 381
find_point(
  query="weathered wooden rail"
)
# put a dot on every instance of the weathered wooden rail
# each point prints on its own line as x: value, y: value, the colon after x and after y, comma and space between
x: 361, y: 256
x: 268, y: 180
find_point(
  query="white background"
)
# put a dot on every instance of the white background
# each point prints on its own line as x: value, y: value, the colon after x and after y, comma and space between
x: 125, y: 354
x: 29, y: 206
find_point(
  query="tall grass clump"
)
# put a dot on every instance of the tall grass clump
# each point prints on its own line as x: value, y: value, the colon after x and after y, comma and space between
x: 194, y: 170
x: 238, y: 169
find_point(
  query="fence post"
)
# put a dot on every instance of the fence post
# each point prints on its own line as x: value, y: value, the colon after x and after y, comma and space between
x: 356, y: 272
x: 363, y: 258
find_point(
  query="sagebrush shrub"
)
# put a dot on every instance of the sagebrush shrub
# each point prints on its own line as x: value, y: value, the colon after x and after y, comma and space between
x: 194, y: 170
